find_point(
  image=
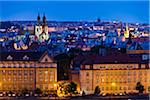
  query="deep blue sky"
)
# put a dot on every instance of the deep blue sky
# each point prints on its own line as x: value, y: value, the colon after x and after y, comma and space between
x: 126, y: 11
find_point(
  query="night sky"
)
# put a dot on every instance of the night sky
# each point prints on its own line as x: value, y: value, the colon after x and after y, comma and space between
x: 126, y: 11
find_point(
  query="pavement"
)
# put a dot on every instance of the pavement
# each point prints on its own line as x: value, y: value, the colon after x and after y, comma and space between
x: 137, y: 97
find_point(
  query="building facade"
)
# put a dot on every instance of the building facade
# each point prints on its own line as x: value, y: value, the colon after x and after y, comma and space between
x: 114, y: 76
x: 28, y: 71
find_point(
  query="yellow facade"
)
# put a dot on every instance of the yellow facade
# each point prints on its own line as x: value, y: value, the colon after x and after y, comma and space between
x: 17, y: 75
x: 126, y: 33
x: 114, y: 78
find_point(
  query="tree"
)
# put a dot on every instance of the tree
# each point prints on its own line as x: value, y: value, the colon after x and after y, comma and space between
x: 97, y: 90
x: 72, y: 87
x: 139, y: 87
x: 38, y: 91
x: 67, y: 87
x: 63, y: 62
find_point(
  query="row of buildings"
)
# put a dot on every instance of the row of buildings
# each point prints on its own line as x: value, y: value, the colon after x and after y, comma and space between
x: 26, y: 60
x: 62, y: 36
x: 115, y: 73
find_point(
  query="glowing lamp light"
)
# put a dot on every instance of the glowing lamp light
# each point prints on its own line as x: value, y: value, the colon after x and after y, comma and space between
x: 113, y: 84
x: 55, y: 85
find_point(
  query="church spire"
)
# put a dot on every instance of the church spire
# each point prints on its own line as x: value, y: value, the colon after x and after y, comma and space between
x: 38, y: 18
x: 44, y: 19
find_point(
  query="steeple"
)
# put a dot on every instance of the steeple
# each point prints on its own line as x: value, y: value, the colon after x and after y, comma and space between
x: 38, y: 18
x: 44, y: 19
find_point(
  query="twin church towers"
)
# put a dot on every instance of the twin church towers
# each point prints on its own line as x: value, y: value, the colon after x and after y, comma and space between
x: 41, y: 29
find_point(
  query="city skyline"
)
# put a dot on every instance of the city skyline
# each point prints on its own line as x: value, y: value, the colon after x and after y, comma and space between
x: 125, y: 11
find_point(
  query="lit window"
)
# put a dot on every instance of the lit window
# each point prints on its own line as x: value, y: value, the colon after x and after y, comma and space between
x: 87, y: 80
x: 25, y: 72
x: 15, y: 72
x: 46, y: 72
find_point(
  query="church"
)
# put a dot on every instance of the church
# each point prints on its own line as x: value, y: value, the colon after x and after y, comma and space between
x: 41, y: 30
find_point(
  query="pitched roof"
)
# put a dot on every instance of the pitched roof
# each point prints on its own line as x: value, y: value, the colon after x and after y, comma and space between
x: 114, y: 57
x: 20, y: 56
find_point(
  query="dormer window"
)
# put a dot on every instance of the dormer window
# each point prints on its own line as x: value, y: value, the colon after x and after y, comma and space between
x: 25, y: 57
x: 9, y: 57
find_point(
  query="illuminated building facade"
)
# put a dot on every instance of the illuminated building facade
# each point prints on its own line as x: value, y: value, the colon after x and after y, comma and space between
x: 41, y: 30
x: 114, y: 75
x: 27, y: 70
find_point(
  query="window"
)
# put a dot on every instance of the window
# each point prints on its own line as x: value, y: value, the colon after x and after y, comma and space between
x: 129, y: 73
x: 97, y: 80
x: 31, y: 78
x: 120, y: 88
x: 129, y: 88
x: 140, y: 73
x: 25, y: 78
x: 51, y: 78
x: 97, y: 74
x: 134, y: 73
x: 129, y: 80
x: 46, y: 72
x: 124, y: 88
x: 46, y: 80
x: 9, y: 72
x: 87, y: 81
x: 15, y: 72
x: 87, y: 73
x: 20, y: 72
x: 31, y: 72
x: 107, y: 88
x: 116, y: 88
x: 26, y: 72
